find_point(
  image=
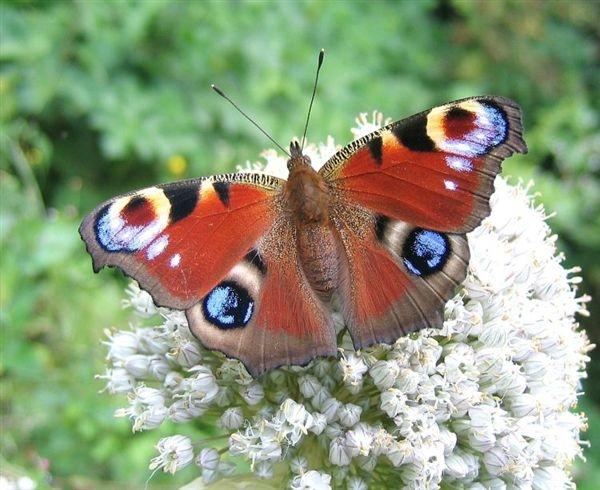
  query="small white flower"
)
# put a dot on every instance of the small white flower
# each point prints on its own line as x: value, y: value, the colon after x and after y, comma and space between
x: 333, y: 430
x: 232, y: 418
x: 319, y: 423
x: 175, y: 452
x: 296, y: 415
x: 330, y: 409
x: 393, y: 401
x: 158, y: 367
x: 349, y: 414
x: 173, y: 380
x: 155, y: 341
x: 353, y: 368
x: 224, y: 396
x: 309, y: 385
x: 147, y: 408
x: 122, y: 344
x: 496, y: 461
x: 140, y: 300
x: 202, y: 385
x: 320, y: 397
x: 208, y: 459
x: 359, y: 440
x: 408, y: 381
x: 384, y: 374
x: 255, y: 444
x: 298, y: 465
x: 400, y: 453
x: 118, y: 380
x: 296, y: 421
x: 456, y: 467
x: 252, y: 393
x: 149, y: 396
x: 311, y: 480
x: 338, y: 452
x: 186, y: 408
x: 187, y: 353
x: 137, y: 365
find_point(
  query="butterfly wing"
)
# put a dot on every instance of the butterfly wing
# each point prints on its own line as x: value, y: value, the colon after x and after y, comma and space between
x: 435, y: 169
x: 396, y: 277
x: 178, y: 240
x: 221, y: 249
x: 403, y: 198
x: 264, y: 311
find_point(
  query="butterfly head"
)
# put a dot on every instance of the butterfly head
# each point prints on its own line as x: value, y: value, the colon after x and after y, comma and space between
x: 297, y: 158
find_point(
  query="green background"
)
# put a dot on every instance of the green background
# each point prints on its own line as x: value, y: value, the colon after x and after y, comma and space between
x: 98, y: 98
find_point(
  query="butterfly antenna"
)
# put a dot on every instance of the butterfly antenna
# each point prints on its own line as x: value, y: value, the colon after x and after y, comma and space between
x: 319, y: 64
x: 222, y: 94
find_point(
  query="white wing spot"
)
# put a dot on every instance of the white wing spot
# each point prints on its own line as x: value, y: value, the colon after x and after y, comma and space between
x: 451, y: 186
x: 459, y: 163
x: 157, y: 247
x: 175, y: 260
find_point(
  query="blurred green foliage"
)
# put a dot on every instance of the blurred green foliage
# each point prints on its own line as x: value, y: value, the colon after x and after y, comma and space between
x: 97, y: 98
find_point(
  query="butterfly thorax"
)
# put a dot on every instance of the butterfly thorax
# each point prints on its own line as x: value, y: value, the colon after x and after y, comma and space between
x: 306, y: 194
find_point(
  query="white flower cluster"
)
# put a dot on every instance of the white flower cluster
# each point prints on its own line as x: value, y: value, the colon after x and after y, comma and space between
x: 485, y: 402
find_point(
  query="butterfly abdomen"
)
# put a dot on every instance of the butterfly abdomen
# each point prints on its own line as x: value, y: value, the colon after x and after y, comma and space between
x: 318, y: 253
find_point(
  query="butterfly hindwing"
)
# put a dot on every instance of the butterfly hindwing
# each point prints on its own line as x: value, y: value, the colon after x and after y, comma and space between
x: 178, y: 240
x: 264, y: 312
x: 435, y: 169
x: 397, y: 276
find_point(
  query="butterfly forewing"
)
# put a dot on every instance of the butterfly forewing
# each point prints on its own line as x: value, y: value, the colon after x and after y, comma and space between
x: 435, y: 169
x: 178, y: 240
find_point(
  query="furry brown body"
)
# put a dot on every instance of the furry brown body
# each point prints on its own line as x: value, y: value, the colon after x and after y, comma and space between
x: 306, y: 194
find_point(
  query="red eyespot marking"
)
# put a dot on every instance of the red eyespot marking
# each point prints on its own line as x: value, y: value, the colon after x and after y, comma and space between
x: 138, y: 212
x: 458, y: 123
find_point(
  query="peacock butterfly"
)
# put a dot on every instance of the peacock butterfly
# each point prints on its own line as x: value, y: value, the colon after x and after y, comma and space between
x: 255, y: 260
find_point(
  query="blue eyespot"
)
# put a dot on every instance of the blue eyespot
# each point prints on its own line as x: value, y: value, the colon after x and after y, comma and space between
x: 228, y: 305
x: 497, y: 121
x: 425, y: 251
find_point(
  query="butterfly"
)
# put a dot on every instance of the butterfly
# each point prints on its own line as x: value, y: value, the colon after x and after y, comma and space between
x: 256, y: 261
